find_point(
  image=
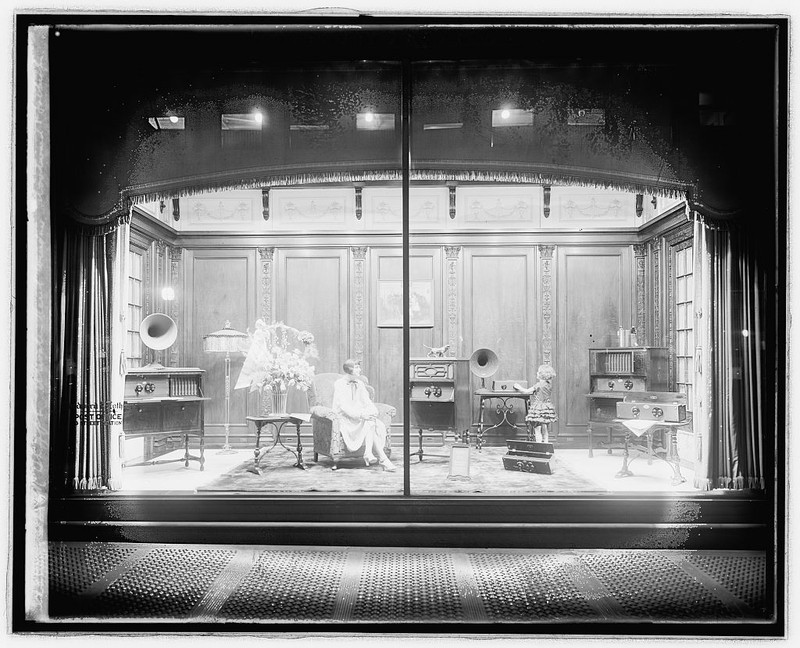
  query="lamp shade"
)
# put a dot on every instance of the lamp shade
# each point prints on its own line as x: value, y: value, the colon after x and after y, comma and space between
x: 226, y: 340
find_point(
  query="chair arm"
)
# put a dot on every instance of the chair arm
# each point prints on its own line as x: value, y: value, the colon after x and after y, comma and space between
x: 320, y: 411
x: 386, y: 412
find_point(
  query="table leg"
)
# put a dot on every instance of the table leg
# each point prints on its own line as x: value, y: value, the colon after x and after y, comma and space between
x: 202, y: 452
x: 591, y: 440
x: 674, y: 459
x: 624, y: 471
x: 186, y: 450
x: 256, y: 469
x: 479, y: 440
x: 299, y: 463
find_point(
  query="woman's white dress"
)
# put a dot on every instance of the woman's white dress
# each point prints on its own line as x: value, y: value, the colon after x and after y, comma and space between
x: 351, y: 402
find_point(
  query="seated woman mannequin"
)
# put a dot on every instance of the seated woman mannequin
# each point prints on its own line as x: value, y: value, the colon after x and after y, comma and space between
x: 358, y: 416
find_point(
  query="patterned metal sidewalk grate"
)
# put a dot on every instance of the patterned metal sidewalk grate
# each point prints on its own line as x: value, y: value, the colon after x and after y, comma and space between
x: 234, y: 584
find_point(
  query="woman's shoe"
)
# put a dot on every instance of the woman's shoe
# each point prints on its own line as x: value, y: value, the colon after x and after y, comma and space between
x: 369, y: 460
x: 388, y: 466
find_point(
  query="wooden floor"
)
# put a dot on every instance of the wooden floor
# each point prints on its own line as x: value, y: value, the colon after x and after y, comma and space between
x: 333, y: 589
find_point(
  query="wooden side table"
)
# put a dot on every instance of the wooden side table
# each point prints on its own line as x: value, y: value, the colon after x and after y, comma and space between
x: 646, y: 428
x: 277, y: 421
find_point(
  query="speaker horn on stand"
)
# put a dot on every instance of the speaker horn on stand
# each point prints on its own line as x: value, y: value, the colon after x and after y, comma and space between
x: 483, y: 363
x: 158, y: 331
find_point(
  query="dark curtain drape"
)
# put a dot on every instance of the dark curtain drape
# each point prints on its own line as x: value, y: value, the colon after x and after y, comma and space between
x: 728, y: 369
x: 88, y: 373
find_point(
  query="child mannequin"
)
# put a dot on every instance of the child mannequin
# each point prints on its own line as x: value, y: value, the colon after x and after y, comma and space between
x: 542, y: 413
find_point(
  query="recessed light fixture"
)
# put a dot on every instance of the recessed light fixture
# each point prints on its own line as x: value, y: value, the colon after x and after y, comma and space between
x: 171, y: 122
x: 587, y: 117
x: 375, y: 121
x: 512, y: 117
x: 443, y: 126
x: 241, y: 121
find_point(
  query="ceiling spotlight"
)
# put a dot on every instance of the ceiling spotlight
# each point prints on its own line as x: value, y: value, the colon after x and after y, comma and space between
x: 369, y: 116
x: 173, y: 119
x: 505, y: 114
x: 258, y: 117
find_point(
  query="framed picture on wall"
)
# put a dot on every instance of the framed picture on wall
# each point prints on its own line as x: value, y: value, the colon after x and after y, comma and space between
x: 390, y: 304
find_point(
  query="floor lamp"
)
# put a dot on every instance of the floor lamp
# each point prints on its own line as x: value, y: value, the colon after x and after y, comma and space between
x: 227, y: 341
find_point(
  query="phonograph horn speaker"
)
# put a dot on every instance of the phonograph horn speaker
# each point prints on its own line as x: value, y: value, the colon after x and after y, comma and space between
x: 158, y: 331
x: 483, y: 363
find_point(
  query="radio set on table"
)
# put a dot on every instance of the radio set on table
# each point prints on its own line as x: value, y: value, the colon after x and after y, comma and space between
x: 669, y: 407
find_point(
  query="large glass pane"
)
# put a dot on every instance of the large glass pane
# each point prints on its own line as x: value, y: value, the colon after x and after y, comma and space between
x: 530, y: 352
x: 283, y: 281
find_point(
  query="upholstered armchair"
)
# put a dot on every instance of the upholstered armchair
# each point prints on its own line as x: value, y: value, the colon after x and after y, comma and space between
x: 325, y: 426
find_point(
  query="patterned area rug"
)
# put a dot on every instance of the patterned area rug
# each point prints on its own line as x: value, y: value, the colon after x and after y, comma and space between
x: 429, y: 476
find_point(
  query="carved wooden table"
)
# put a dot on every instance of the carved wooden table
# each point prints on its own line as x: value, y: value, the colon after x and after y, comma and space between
x: 277, y: 421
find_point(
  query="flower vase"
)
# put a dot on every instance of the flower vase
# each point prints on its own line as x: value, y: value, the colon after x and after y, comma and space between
x: 278, y: 401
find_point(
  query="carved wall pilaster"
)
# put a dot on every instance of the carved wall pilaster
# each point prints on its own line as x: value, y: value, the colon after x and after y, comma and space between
x: 265, y: 258
x: 655, y: 251
x: 358, y: 301
x: 640, y: 254
x: 175, y: 268
x: 546, y: 266
x: 452, y: 253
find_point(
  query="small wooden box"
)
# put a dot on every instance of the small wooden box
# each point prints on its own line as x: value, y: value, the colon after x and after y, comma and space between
x: 528, y: 456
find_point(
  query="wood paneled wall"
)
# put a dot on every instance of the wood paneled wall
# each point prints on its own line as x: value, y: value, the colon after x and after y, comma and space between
x: 593, y: 300
x: 220, y: 287
x: 528, y: 303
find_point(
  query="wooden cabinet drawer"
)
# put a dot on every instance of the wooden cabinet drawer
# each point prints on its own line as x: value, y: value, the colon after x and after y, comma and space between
x: 432, y: 369
x: 141, y: 417
x: 433, y: 393
x: 181, y: 416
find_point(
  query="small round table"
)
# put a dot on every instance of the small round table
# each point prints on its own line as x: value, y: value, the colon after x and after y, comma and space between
x: 277, y: 421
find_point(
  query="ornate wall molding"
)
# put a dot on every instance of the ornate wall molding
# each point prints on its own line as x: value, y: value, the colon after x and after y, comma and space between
x: 265, y: 203
x: 358, y: 299
x: 175, y: 271
x: 452, y: 253
x: 640, y: 254
x: 655, y: 250
x: 546, y: 253
x: 685, y: 231
x: 266, y: 257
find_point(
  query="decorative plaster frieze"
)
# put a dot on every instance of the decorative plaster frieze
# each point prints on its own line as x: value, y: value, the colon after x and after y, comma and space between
x: 220, y: 210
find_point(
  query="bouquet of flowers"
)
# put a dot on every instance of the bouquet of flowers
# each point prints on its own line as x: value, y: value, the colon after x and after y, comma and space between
x: 278, y: 358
